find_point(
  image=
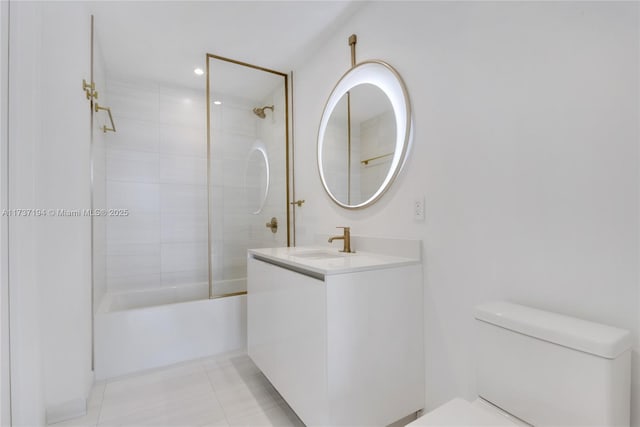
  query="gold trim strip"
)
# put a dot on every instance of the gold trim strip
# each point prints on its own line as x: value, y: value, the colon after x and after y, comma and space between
x: 286, y: 149
x: 209, y: 183
x: 246, y: 64
x: 299, y: 203
x: 366, y: 161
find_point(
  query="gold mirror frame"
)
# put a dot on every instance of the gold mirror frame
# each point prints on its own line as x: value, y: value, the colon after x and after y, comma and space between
x: 389, y: 81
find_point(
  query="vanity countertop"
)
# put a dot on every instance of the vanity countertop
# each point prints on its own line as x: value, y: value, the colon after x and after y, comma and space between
x: 328, y: 261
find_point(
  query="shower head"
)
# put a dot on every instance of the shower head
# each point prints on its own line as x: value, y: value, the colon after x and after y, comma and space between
x: 260, y: 111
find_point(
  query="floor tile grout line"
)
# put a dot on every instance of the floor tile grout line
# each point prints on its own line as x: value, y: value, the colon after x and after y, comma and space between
x: 104, y: 391
x: 215, y: 394
x: 260, y: 408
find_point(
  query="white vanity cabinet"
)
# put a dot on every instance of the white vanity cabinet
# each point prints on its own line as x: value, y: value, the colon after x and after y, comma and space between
x: 340, y: 339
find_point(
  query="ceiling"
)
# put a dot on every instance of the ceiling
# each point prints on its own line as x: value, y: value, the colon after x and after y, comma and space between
x: 163, y: 41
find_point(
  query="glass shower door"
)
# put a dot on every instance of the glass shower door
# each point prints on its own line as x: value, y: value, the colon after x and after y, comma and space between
x: 247, y: 167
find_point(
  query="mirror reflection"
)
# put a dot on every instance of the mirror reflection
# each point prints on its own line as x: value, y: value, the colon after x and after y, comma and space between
x: 364, y: 134
x: 257, y: 178
x: 359, y: 143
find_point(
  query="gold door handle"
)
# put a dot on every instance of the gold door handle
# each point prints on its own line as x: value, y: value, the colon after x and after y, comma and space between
x: 273, y: 224
x: 298, y: 202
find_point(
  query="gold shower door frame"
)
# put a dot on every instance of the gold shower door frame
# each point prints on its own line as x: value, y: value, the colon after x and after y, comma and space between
x: 210, y: 56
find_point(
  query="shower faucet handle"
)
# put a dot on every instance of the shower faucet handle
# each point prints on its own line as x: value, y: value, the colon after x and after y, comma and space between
x: 273, y: 224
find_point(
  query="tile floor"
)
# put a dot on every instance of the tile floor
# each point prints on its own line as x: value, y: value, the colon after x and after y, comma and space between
x: 225, y: 390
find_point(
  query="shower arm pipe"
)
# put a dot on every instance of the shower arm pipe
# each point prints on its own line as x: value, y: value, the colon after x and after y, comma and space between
x: 108, y: 110
x: 353, y: 40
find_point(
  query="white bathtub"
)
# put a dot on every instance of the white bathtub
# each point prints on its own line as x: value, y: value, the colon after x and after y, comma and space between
x: 118, y: 301
x: 140, y: 330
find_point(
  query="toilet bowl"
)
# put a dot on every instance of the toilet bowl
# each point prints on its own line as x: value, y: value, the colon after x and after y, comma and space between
x: 544, y: 369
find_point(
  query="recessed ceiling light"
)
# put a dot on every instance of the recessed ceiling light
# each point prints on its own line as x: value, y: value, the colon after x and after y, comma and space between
x: 217, y: 102
x: 198, y: 71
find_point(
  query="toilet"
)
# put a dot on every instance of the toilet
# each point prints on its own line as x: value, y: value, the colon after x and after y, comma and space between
x: 539, y: 368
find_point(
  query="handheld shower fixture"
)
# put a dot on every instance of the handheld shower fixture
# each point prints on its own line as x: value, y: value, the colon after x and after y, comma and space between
x: 260, y: 111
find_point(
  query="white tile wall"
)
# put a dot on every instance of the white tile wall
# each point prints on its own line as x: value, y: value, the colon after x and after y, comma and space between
x: 134, y: 229
x: 135, y: 134
x: 183, y: 170
x: 136, y: 264
x: 136, y: 281
x: 138, y: 197
x: 235, y: 228
x: 176, y: 278
x: 180, y: 227
x: 134, y: 100
x: 183, y: 140
x: 177, y: 257
x: 183, y: 198
x: 156, y: 168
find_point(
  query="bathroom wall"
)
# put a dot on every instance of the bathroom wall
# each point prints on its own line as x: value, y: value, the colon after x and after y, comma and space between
x: 49, y: 169
x: 156, y: 168
x: 525, y: 148
x: 27, y: 394
x: 5, y: 373
x: 63, y: 254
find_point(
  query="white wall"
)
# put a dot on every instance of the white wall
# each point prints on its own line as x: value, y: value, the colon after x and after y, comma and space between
x: 27, y: 396
x: 49, y: 274
x: 5, y: 373
x: 63, y: 181
x: 526, y: 148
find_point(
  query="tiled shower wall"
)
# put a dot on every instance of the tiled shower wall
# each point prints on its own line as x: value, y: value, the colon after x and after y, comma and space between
x: 156, y: 168
x: 235, y: 131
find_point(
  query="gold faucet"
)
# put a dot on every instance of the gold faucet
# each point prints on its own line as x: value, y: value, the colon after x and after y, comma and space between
x: 346, y: 237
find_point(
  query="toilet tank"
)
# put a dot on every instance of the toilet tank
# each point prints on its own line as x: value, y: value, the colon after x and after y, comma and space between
x: 552, y: 370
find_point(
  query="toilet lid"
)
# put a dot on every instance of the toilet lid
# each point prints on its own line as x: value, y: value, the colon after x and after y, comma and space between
x: 459, y: 412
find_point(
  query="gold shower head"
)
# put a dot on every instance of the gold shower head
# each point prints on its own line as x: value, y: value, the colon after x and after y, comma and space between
x: 260, y: 111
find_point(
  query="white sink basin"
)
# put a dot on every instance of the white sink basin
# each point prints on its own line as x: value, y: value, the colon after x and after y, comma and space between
x: 318, y: 255
x: 326, y: 260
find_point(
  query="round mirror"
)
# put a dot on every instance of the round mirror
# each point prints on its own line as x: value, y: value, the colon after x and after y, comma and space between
x: 364, y: 135
x: 257, y: 178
